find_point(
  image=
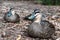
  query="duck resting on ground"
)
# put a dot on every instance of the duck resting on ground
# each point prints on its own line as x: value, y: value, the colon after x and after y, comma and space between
x: 11, y: 16
x: 31, y: 16
x: 40, y: 28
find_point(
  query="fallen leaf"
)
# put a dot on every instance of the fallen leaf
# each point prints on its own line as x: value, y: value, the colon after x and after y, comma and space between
x: 19, y: 37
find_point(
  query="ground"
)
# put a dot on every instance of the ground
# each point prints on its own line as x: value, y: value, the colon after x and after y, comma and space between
x: 14, y: 31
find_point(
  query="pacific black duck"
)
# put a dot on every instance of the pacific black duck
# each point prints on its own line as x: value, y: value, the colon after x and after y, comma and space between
x: 40, y: 28
x: 31, y: 16
x: 11, y: 16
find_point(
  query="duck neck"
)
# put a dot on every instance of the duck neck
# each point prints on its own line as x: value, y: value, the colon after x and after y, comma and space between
x: 13, y: 12
x: 38, y: 19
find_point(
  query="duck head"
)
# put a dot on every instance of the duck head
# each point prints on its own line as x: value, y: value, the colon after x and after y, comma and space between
x: 33, y: 14
x: 39, y: 17
x: 37, y: 11
x: 10, y: 12
x: 11, y: 9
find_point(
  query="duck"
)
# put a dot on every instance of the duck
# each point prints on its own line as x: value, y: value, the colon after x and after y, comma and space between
x: 40, y: 28
x: 31, y: 16
x: 11, y: 16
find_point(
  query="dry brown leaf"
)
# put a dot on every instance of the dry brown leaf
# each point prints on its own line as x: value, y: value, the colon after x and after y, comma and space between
x: 19, y: 37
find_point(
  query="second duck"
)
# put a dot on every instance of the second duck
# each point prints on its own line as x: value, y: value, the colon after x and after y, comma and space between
x: 11, y: 16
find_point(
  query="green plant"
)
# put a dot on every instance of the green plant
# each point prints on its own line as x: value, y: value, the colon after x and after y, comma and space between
x: 49, y: 2
x: 57, y: 2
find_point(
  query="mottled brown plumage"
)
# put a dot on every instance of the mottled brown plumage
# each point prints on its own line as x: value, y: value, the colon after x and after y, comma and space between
x: 41, y: 28
x: 11, y: 16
